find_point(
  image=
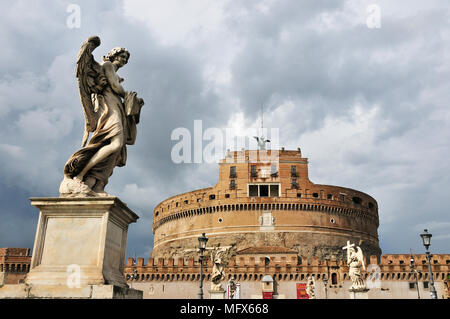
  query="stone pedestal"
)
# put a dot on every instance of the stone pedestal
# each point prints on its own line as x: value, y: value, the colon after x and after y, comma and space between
x: 217, y: 294
x: 359, y: 294
x: 79, y: 249
x: 25, y: 291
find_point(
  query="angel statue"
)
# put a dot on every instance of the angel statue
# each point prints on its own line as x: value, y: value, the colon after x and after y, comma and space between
x: 310, y: 287
x: 355, y: 262
x: 219, y: 260
x: 111, y: 115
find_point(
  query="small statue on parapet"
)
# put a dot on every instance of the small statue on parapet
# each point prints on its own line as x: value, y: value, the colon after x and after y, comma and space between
x: 355, y: 262
x: 310, y: 287
x: 219, y: 257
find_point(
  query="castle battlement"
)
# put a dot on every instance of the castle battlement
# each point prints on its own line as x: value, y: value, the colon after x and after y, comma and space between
x: 287, y: 267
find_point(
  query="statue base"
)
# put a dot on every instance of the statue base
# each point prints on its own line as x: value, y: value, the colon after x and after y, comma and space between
x: 359, y: 293
x: 217, y: 294
x: 25, y: 291
x: 80, y: 242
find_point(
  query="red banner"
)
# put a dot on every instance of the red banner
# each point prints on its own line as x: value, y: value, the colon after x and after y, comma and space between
x: 267, y: 295
x: 301, y: 291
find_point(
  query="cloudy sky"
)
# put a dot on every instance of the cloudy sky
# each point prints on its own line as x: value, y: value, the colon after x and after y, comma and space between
x: 365, y: 99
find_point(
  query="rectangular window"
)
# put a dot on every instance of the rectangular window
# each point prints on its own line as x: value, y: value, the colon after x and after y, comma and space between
x: 232, y: 171
x: 186, y: 201
x: 294, y: 171
x: 294, y: 183
x: 263, y: 190
x: 412, y: 285
x: 342, y: 198
x: 232, y: 184
x: 253, y: 190
x: 274, y: 191
x: 425, y: 284
x: 253, y: 172
x: 212, y: 197
x: 227, y: 195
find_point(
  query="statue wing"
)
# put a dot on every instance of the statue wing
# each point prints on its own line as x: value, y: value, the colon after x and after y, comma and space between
x: 359, y: 253
x: 91, y: 80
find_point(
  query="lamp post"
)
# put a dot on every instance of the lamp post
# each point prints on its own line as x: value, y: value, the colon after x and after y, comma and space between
x: 202, y: 240
x: 416, y: 272
x: 426, y: 238
x: 325, y: 282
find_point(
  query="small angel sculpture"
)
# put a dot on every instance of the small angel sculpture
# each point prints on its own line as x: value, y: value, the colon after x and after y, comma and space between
x: 219, y: 258
x: 111, y: 115
x: 310, y: 288
x: 355, y: 262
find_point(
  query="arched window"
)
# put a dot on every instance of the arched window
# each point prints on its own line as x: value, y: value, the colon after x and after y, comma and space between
x: 334, y: 279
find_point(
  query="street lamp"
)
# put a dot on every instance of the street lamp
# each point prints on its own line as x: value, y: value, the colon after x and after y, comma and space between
x: 426, y: 238
x: 325, y: 282
x: 416, y: 272
x: 202, y: 240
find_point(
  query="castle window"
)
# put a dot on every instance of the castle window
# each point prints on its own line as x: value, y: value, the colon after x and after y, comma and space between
x: 294, y: 183
x: 412, y: 285
x: 186, y: 202
x: 294, y: 171
x: 329, y: 196
x: 199, y: 200
x: 253, y: 172
x: 266, y: 261
x: 342, y: 197
x: 263, y: 190
x: 253, y: 190
x: 334, y: 279
x: 232, y: 171
x: 212, y: 196
x: 157, y: 213
x: 274, y: 191
x: 315, y: 195
x: 299, y: 195
x: 357, y: 200
x: 425, y: 284
x: 232, y: 184
x: 370, y: 205
x: 227, y: 195
x: 176, y: 204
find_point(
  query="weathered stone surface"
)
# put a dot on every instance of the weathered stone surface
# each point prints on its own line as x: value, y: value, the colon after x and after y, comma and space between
x: 83, y: 237
x: 25, y: 291
x: 316, y: 220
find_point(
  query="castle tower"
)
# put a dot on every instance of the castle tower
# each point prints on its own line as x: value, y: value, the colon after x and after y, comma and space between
x: 265, y: 198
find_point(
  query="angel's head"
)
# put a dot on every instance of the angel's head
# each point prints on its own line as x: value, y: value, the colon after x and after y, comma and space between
x: 118, y: 56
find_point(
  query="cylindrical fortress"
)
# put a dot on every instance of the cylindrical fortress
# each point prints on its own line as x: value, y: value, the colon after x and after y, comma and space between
x: 262, y: 199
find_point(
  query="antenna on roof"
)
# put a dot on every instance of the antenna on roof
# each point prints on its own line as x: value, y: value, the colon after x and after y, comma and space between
x: 261, y: 140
